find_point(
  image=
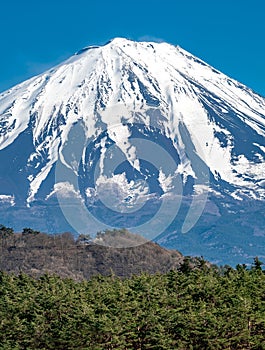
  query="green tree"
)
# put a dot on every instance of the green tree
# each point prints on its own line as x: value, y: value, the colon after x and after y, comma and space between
x: 257, y: 264
x: 29, y: 231
x: 6, y: 231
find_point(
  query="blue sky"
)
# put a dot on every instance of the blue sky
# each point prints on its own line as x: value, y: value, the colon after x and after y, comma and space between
x: 228, y: 34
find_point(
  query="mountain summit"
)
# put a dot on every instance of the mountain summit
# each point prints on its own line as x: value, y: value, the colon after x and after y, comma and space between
x: 139, y: 135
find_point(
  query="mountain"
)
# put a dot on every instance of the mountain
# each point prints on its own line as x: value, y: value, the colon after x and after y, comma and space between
x: 138, y: 135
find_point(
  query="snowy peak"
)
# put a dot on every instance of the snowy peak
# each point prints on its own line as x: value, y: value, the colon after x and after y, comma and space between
x: 155, y: 84
x: 140, y: 135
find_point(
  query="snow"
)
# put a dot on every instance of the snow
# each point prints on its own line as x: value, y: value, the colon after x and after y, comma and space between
x: 123, y: 80
x: 119, y: 194
x: 64, y: 190
x: 7, y: 199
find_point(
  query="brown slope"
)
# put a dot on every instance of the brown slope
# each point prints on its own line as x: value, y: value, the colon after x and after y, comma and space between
x: 36, y: 254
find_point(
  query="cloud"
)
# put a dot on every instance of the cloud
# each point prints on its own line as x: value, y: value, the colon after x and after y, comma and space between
x: 151, y: 38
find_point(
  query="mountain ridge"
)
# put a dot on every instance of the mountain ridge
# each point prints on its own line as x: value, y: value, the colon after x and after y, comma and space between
x: 37, y: 254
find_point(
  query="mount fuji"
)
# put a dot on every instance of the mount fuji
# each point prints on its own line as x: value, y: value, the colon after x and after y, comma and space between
x: 137, y: 135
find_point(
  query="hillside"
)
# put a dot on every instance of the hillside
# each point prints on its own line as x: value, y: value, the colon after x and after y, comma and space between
x: 37, y: 253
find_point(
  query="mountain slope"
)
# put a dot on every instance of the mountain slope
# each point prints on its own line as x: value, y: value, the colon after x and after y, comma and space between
x: 186, y: 140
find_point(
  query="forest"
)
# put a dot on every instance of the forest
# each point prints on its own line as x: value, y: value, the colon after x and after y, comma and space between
x: 187, y: 308
x: 185, y: 304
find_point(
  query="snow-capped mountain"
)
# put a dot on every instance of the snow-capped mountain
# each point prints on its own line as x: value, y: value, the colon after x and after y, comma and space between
x: 127, y: 131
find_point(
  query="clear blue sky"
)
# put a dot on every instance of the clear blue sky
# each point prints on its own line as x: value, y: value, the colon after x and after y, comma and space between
x: 228, y: 34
